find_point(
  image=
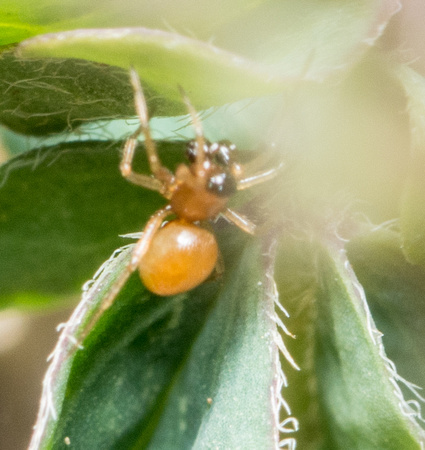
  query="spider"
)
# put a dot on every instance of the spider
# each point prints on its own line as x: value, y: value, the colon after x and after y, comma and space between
x: 178, y: 255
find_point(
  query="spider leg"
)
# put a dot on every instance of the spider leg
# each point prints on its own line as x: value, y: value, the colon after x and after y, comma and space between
x: 141, y: 247
x: 258, y: 178
x: 199, y: 133
x: 239, y: 220
x: 161, y: 174
x: 126, y: 167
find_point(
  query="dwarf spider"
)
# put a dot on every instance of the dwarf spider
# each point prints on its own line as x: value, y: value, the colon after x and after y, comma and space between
x: 180, y: 255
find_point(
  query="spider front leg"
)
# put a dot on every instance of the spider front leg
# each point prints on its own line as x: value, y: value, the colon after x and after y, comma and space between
x: 199, y: 133
x: 240, y: 221
x: 140, y: 249
x: 162, y: 176
x: 258, y: 178
x: 126, y: 167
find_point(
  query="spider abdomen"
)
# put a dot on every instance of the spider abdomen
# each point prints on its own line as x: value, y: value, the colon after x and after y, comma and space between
x: 180, y: 257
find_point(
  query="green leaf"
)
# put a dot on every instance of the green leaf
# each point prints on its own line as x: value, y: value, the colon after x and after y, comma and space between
x: 213, y: 355
x: 346, y: 394
x: 163, y: 60
x: 39, y: 97
x: 18, y: 21
x: 44, y: 97
x: 16, y: 32
x: 296, y: 280
x: 291, y: 42
x: 291, y: 36
x: 360, y: 406
x: 396, y: 293
x: 413, y: 206
x: 61, y: 211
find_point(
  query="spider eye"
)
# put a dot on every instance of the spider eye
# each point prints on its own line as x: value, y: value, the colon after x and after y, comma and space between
x: 222, y: 184
x: 223, y: 151
x: 192, y: 150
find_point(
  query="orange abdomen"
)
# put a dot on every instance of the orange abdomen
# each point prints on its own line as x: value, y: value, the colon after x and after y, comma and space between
x: 180, y: 257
